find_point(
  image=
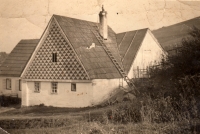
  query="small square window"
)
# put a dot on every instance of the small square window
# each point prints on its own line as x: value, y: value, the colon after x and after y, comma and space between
x: 37, y: 86
x: 8, y: 84
x: 54, y: 86
x: 54, y: 57
x: 73, y: 87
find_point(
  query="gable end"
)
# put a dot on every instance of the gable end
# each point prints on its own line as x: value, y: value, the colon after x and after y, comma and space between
x: 67, y: 65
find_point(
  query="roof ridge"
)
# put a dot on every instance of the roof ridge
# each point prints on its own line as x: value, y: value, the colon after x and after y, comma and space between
x: 129, y: 46
x: 29, y: 39
x: 122, y: 40
x: 73, y: 18
x: 133, y: 30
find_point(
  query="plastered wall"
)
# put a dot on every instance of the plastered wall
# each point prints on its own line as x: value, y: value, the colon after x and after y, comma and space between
x: 149, y: 53
x: 102, y: 89
x: 63, y: 98
x: 87, y: 94
x: 14, y: 86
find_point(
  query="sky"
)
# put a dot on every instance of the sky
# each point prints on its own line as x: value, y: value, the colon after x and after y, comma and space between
x: 27, y: 19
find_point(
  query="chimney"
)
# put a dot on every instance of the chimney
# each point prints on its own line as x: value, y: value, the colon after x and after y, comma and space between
x: 103, y: 28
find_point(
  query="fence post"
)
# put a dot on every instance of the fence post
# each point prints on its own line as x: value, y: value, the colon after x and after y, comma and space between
x: 138, y: 71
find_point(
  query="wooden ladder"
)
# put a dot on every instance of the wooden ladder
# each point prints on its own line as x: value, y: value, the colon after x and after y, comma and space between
x: 118, y: 66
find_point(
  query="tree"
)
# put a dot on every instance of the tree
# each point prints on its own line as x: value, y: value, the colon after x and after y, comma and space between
x: 187, y: 61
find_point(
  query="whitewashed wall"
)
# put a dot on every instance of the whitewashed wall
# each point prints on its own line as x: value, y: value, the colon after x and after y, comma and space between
x: 102, y: 89
x: 64, y: 97
x: 87, y: 94
x: 14, y: 86
x: 150, y: 53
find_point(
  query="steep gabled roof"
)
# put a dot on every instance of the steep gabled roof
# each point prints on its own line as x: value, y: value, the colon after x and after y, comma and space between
x: 95, y: 60
x: 18, y: 58
x: 129, y: 43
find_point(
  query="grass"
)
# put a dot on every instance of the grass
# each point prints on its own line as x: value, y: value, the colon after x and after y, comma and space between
x: 114, y: 119
x: 81, y: 127
x: 155, y: 111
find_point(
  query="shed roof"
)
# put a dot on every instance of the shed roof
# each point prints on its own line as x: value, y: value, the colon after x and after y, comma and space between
x: 128, y: 44
x: 95, y: 60
x: 18, y: 58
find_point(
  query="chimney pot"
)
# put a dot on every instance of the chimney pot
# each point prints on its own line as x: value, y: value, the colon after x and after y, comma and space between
x: 103, y: 27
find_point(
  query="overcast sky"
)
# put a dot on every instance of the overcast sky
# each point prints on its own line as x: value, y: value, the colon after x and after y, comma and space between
x: 27, y: 19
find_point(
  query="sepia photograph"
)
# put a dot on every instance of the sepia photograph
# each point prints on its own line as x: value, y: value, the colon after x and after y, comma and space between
x: 99, y: 67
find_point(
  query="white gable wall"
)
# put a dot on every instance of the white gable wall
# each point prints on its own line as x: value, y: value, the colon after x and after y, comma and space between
x: 14, y: 86
x: 149, y: 53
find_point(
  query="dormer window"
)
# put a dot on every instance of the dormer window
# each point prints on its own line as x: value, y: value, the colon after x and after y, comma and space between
x: 54, y: 57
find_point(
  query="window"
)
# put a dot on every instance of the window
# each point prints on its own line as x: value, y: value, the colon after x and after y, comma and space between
x: 8, y: 84
x: 37, y: 87
x: 73, y: 87
x: 54, y: 86
x: 19, y: 85
x: 54, y: 57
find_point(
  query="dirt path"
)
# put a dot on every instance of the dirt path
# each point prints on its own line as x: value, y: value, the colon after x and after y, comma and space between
x: 5, y: 109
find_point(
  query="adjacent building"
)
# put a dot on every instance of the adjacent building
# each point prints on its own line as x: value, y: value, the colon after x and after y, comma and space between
x: 12, y: 67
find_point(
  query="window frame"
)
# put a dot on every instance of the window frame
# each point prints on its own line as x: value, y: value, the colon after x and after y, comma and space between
x: 37, y: 87
x: 20, y: 85
x: 54, y: 87
x: 54, y: 57
x: 10, y: 87
x: 73, y: 87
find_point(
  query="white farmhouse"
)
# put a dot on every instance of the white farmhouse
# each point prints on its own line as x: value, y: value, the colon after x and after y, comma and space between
x: 78, y: 63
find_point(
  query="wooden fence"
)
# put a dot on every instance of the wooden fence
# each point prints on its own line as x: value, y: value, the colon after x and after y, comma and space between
x: 174, y: 50
x: 146, y: 73
x: 141, y: 73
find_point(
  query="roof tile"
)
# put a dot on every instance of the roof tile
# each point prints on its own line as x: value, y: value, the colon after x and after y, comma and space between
x: 18, y: 58
x: 95, y: 59
x: 130, y: 45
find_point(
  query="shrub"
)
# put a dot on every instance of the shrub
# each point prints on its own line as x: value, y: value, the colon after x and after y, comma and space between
x: 167, y: 109
x: 124, y: 113
x: 185, y: 62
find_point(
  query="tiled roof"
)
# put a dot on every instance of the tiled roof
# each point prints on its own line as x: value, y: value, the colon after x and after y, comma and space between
x: 129, y: 43
x: 18, y: 58
x: 95, y: 60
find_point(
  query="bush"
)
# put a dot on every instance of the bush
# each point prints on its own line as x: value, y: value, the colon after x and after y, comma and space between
x: 168, y: 109
x: 185, y: 62
x: 124, y: 113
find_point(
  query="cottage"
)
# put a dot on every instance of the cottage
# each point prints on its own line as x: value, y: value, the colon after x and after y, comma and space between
x: 78, y: 63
